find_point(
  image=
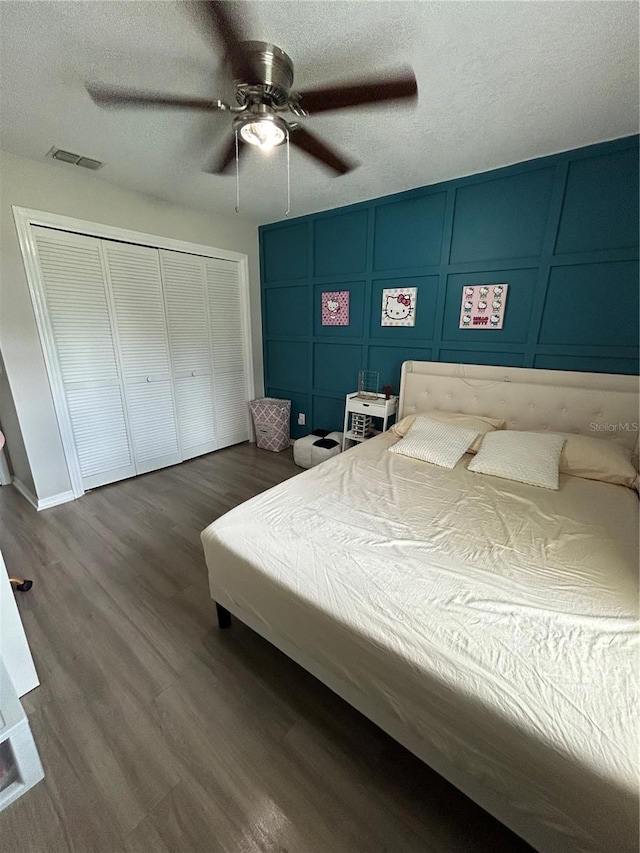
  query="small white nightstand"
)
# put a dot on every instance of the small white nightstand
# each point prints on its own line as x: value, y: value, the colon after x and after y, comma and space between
x: 379, y: 408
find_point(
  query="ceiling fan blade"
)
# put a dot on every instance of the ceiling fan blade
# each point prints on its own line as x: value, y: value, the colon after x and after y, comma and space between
x: 222, y: 162
x: 313, y: 146
x: 357, y: 94
x: 116, y: 97
x: 220, y: 19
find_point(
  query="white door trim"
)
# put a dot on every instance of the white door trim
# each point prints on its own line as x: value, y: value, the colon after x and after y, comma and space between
x: 248, y: 349
x: 24, y: 219
x: 36, y: 288
x: 122, y: 235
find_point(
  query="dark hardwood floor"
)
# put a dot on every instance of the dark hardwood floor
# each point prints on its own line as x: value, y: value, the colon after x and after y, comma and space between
x: 160, y: 733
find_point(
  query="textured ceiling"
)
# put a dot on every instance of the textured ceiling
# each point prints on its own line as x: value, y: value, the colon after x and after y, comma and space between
x: 498, y: 83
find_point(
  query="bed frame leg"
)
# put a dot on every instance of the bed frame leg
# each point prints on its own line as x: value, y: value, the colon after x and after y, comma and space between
x: 224, y: 617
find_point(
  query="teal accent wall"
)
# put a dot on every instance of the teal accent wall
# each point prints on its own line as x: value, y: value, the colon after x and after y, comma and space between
x: 562, y: 231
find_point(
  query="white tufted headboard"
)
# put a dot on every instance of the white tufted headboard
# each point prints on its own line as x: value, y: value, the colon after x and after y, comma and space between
x: 602, y: 405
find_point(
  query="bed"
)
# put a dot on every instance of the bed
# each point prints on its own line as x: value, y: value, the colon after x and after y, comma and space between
x: 487, y: 625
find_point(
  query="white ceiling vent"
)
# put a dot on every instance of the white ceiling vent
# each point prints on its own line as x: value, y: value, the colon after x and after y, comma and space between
x: 75, y: 159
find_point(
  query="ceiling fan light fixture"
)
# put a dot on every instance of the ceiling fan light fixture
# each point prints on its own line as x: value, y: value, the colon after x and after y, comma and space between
x: 266, y: 132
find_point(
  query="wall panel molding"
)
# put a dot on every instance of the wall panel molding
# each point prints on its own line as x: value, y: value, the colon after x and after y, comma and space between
x: 561, y: 230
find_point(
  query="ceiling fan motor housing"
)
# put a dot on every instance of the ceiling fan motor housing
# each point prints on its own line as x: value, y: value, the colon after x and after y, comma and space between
x: 274, y: 73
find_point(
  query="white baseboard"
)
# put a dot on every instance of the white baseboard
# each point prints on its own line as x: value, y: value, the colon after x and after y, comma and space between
x: 55, y: 500
x: 45, y: 503
x: 25, y: 492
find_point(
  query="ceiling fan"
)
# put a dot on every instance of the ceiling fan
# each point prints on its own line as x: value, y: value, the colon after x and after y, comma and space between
x: 263, y: 76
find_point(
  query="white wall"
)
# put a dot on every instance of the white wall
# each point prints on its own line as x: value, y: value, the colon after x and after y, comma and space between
x: 13, y: 434
x: 70, y: 191
x: 14, y: 649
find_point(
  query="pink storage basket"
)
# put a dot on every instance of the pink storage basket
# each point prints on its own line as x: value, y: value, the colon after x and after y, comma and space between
x: 271, y: 421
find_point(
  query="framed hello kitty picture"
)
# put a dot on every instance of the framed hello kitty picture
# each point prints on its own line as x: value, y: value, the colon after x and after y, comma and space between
x: 335, y: 308
x: 399, y: 306
x: 483, y: 306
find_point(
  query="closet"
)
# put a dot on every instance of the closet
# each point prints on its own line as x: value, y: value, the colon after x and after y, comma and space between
x: 149, y: 351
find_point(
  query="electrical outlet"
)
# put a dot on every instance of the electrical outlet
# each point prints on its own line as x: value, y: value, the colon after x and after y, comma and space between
x: 302, y: 419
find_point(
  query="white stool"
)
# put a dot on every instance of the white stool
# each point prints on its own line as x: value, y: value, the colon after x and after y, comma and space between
x: 312, y: 450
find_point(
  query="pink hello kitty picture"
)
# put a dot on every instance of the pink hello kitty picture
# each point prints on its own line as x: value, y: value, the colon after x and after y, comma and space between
x: 483, y: 306
x: 335, y: 308
x: 399, y: 306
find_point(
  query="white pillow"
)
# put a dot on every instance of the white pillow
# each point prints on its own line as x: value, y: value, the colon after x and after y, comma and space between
x: 527, y: 457
x: 481, y: 424
x: 439, y: 443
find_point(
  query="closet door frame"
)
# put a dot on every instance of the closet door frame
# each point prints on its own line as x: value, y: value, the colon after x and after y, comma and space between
x: 24, y: 219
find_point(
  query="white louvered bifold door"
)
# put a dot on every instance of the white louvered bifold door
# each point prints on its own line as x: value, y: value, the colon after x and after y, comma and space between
x: 136, y: 286
x: 76, y: 297
x: 227, y: 328
x: 184, y: 294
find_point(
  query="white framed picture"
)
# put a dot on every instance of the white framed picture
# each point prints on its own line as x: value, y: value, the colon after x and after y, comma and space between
x: 399, y: 306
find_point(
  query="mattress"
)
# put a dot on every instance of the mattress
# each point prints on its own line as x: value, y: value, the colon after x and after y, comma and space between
x: 495, y: 622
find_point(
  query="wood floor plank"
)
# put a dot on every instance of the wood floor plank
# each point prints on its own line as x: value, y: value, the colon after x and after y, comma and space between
x: 65, y: 813
x: 161, y: 734
x: 231, y: 769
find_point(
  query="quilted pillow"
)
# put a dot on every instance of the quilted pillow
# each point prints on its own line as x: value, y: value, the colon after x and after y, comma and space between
x: 526, y: 457
x: 432, y: 441
x: 479, y: 423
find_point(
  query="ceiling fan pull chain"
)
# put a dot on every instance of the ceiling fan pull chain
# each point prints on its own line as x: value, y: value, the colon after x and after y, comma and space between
x: 237, y: 173
x: 287, y: 211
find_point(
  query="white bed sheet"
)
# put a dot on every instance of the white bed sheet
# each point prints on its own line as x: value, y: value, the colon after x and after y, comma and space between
x: 497, y: 622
